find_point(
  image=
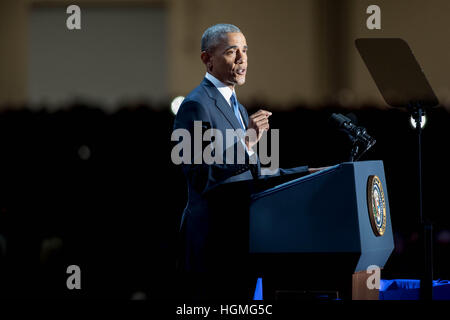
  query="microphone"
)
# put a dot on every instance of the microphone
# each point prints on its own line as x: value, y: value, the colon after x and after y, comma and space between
x: 356, y: 133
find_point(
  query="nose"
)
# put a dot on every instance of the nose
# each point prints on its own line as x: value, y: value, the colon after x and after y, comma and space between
x: 241, y: 57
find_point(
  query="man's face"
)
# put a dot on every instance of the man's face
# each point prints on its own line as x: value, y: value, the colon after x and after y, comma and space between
x: 228, y: 60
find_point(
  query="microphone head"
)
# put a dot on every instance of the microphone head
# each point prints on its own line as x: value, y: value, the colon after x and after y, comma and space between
x: 338, y: 119
x: 352, y: 118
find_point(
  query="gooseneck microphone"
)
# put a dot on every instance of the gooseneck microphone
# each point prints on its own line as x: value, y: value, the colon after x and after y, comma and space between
x: 356, y: 133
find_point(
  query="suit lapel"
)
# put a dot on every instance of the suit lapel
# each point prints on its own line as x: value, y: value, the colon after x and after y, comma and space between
x: 244, y: 115
x: 221, y: 104
x: 225, y: 108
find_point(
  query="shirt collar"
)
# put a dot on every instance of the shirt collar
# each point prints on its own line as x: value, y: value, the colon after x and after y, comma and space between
x: 222, y: 87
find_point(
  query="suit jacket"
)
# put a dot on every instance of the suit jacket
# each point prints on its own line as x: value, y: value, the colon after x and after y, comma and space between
x: 215, y: 221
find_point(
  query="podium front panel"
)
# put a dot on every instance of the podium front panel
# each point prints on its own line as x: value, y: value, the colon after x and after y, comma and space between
x: 324, y: 212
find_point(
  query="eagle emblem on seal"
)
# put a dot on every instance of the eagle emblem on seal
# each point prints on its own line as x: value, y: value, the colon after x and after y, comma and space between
x: 376, y: 205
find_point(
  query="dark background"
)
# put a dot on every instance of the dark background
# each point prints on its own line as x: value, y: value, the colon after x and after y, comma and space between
x: 116, y: 213
x: 91, y: 183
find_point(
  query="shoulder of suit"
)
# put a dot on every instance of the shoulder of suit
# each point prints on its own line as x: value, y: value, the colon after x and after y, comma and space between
x: 198, y: 95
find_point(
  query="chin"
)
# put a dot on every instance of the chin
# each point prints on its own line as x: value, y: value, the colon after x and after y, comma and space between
x: 240, y: 81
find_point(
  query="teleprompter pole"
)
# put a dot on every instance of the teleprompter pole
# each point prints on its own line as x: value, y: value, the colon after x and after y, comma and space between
x: 426, y: 281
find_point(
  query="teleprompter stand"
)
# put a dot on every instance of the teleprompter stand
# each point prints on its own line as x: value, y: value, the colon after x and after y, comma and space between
x: 403, y: 84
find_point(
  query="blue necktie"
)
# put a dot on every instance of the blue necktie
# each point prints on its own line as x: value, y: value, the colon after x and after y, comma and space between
x: 235, y: 106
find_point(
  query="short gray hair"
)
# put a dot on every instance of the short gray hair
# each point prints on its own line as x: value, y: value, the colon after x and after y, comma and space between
x: 215, y: 33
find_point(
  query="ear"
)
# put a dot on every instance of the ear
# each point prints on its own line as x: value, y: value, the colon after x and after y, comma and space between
x: 206, y: 59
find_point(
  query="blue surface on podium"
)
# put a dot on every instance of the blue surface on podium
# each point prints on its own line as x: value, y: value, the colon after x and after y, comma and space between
x: 397, y: 289
x: 408, y: 289
x: 324, y: 212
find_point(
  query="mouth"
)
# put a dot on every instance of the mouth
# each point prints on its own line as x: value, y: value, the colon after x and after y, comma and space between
x: 241, y: 71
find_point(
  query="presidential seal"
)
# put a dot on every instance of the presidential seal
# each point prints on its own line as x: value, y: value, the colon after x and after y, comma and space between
x: 376, y: 205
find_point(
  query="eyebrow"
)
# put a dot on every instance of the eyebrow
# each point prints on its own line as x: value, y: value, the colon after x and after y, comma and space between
x: 233, y: 47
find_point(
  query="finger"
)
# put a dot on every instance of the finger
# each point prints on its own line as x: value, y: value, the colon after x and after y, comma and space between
x: 257, y: 113
x: 262, y: 122
x: 265, y: 111
x: 261, y: 112
x: 261, y: 131
x: 263, y: 128
x: 260, y: 116
x: 256, y: 117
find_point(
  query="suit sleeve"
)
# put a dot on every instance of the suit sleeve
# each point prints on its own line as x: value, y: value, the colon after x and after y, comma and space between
x: 204, y: 177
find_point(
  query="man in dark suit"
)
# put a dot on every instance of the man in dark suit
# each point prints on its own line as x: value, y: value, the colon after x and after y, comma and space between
x: 215, y: 221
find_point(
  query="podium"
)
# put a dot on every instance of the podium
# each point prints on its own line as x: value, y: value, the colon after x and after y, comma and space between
x: 322, y: 231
